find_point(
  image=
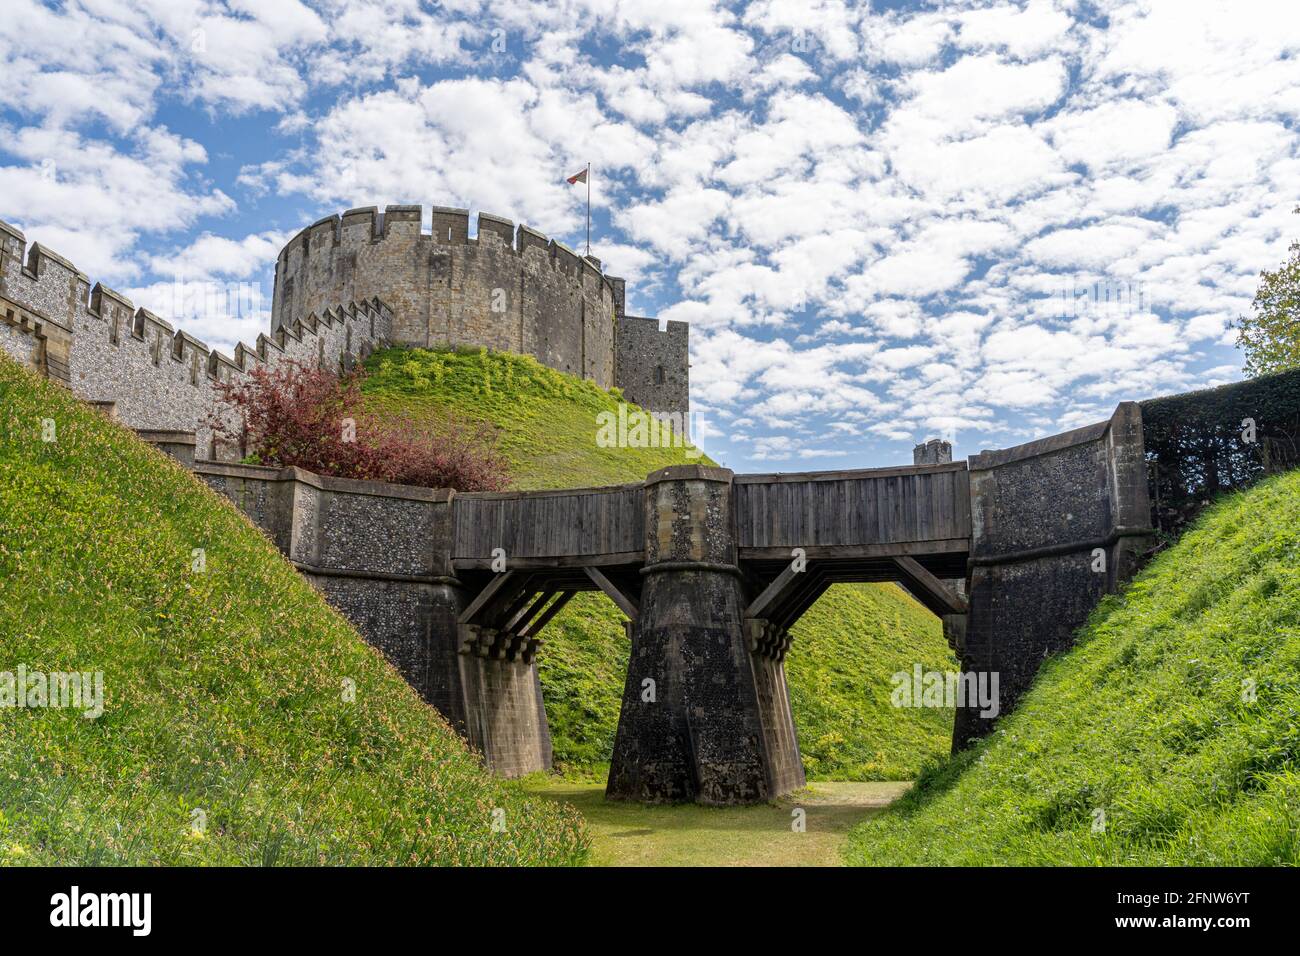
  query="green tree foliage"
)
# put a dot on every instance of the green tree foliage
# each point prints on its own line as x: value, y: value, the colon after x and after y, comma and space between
x: 1271, y: 337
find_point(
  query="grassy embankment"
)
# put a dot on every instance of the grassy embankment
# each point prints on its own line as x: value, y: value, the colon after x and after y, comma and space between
x: 1169, y: 735
x: 227, y: 734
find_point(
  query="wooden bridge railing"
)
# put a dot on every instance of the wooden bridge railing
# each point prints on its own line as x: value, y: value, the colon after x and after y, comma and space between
x: 846, y: 512
x: 831, y: 514
x: 581, y: 525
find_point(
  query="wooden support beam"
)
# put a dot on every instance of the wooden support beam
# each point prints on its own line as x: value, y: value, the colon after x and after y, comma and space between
x: 528, y: 613
x: 805, y: 597
x: 818, y: 552
x: 533, y: 629
x: 928, y: 589
x: 626, y: 602
x: 465, y: 562
x: 492, y: 590
x: 516, y: 606
x: 784, y: 583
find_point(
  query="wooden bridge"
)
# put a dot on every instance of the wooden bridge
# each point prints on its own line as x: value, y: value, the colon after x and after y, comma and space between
x: 711, y: 570
x: 526, y: 553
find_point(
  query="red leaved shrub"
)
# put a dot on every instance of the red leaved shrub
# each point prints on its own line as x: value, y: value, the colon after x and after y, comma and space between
x: 312, y: 418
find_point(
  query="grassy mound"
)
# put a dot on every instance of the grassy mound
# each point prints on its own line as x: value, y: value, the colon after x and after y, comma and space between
x: 846, y: 646
x: 244, y: 721
x: 547, y: 420
x: 1170, y: 735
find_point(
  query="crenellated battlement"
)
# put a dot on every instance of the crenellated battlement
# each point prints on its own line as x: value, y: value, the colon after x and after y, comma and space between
x: 154, y: 375
x: 368, y: 225
x: 487, y: 283
x: 506, y: 287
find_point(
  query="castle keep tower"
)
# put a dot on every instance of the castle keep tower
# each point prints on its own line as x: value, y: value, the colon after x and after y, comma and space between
x: 506, y: 289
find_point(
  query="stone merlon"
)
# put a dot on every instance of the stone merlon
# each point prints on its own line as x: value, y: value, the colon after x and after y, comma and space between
x: 507, y: 288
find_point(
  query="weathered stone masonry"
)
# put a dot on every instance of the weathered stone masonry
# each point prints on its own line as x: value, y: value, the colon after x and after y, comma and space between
x: 129, y: 360
x: 1055, y: 524
x: 506, y: 289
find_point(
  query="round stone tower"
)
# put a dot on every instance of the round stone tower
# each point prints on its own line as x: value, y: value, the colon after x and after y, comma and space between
x: 517, y: 292
x: 505, y: 289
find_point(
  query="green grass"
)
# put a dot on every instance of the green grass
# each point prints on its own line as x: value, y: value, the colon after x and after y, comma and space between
x: 1148, y: 719
x: 582, y: 666
x: 547, y: 421
x: 845, y: 647
x: 633, y: 834
x: 224, y: 689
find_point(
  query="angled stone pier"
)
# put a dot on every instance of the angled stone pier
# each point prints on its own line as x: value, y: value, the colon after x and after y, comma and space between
x: 703, y: 718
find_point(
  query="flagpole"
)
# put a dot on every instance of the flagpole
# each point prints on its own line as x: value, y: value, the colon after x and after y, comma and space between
x: 589, y: 209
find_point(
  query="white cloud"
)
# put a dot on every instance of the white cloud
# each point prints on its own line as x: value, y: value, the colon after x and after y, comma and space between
x: 906, y: 41
x: 870, y: 230
x: 1029, y: 31
x: 1092, y: 247
x: 978, y: 88
x: 212, y: 255
x: 1123, y: 131
x: 89, y: 201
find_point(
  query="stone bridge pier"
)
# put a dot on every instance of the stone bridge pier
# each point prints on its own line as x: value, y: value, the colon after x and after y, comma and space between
x: 703, y: 719
x: 482, y: 674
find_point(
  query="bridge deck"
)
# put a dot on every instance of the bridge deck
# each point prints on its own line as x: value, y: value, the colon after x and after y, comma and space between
x: 860, y: 518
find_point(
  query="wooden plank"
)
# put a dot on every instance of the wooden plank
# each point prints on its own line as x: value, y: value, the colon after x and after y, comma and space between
x: 924, y: 505
x: 626, y: 603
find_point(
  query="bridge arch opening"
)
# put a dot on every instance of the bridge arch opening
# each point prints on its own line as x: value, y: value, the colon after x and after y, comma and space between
x: 847, y: 658
x: 505, y: 631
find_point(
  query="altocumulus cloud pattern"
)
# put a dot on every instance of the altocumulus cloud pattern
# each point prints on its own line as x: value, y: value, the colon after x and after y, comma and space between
x: 981, y: 221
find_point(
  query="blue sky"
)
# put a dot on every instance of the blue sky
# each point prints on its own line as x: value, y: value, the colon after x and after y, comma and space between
x: 885, y: 222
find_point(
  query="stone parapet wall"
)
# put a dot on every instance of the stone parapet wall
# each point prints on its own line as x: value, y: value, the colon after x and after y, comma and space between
x: 157, y: 377
x: 370, y: 547
x: 381, y: 554
x: 1055, y: 525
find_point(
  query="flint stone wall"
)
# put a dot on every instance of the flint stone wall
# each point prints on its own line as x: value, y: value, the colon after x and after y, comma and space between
x: 1055, y: 525
x: 158, y: 378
